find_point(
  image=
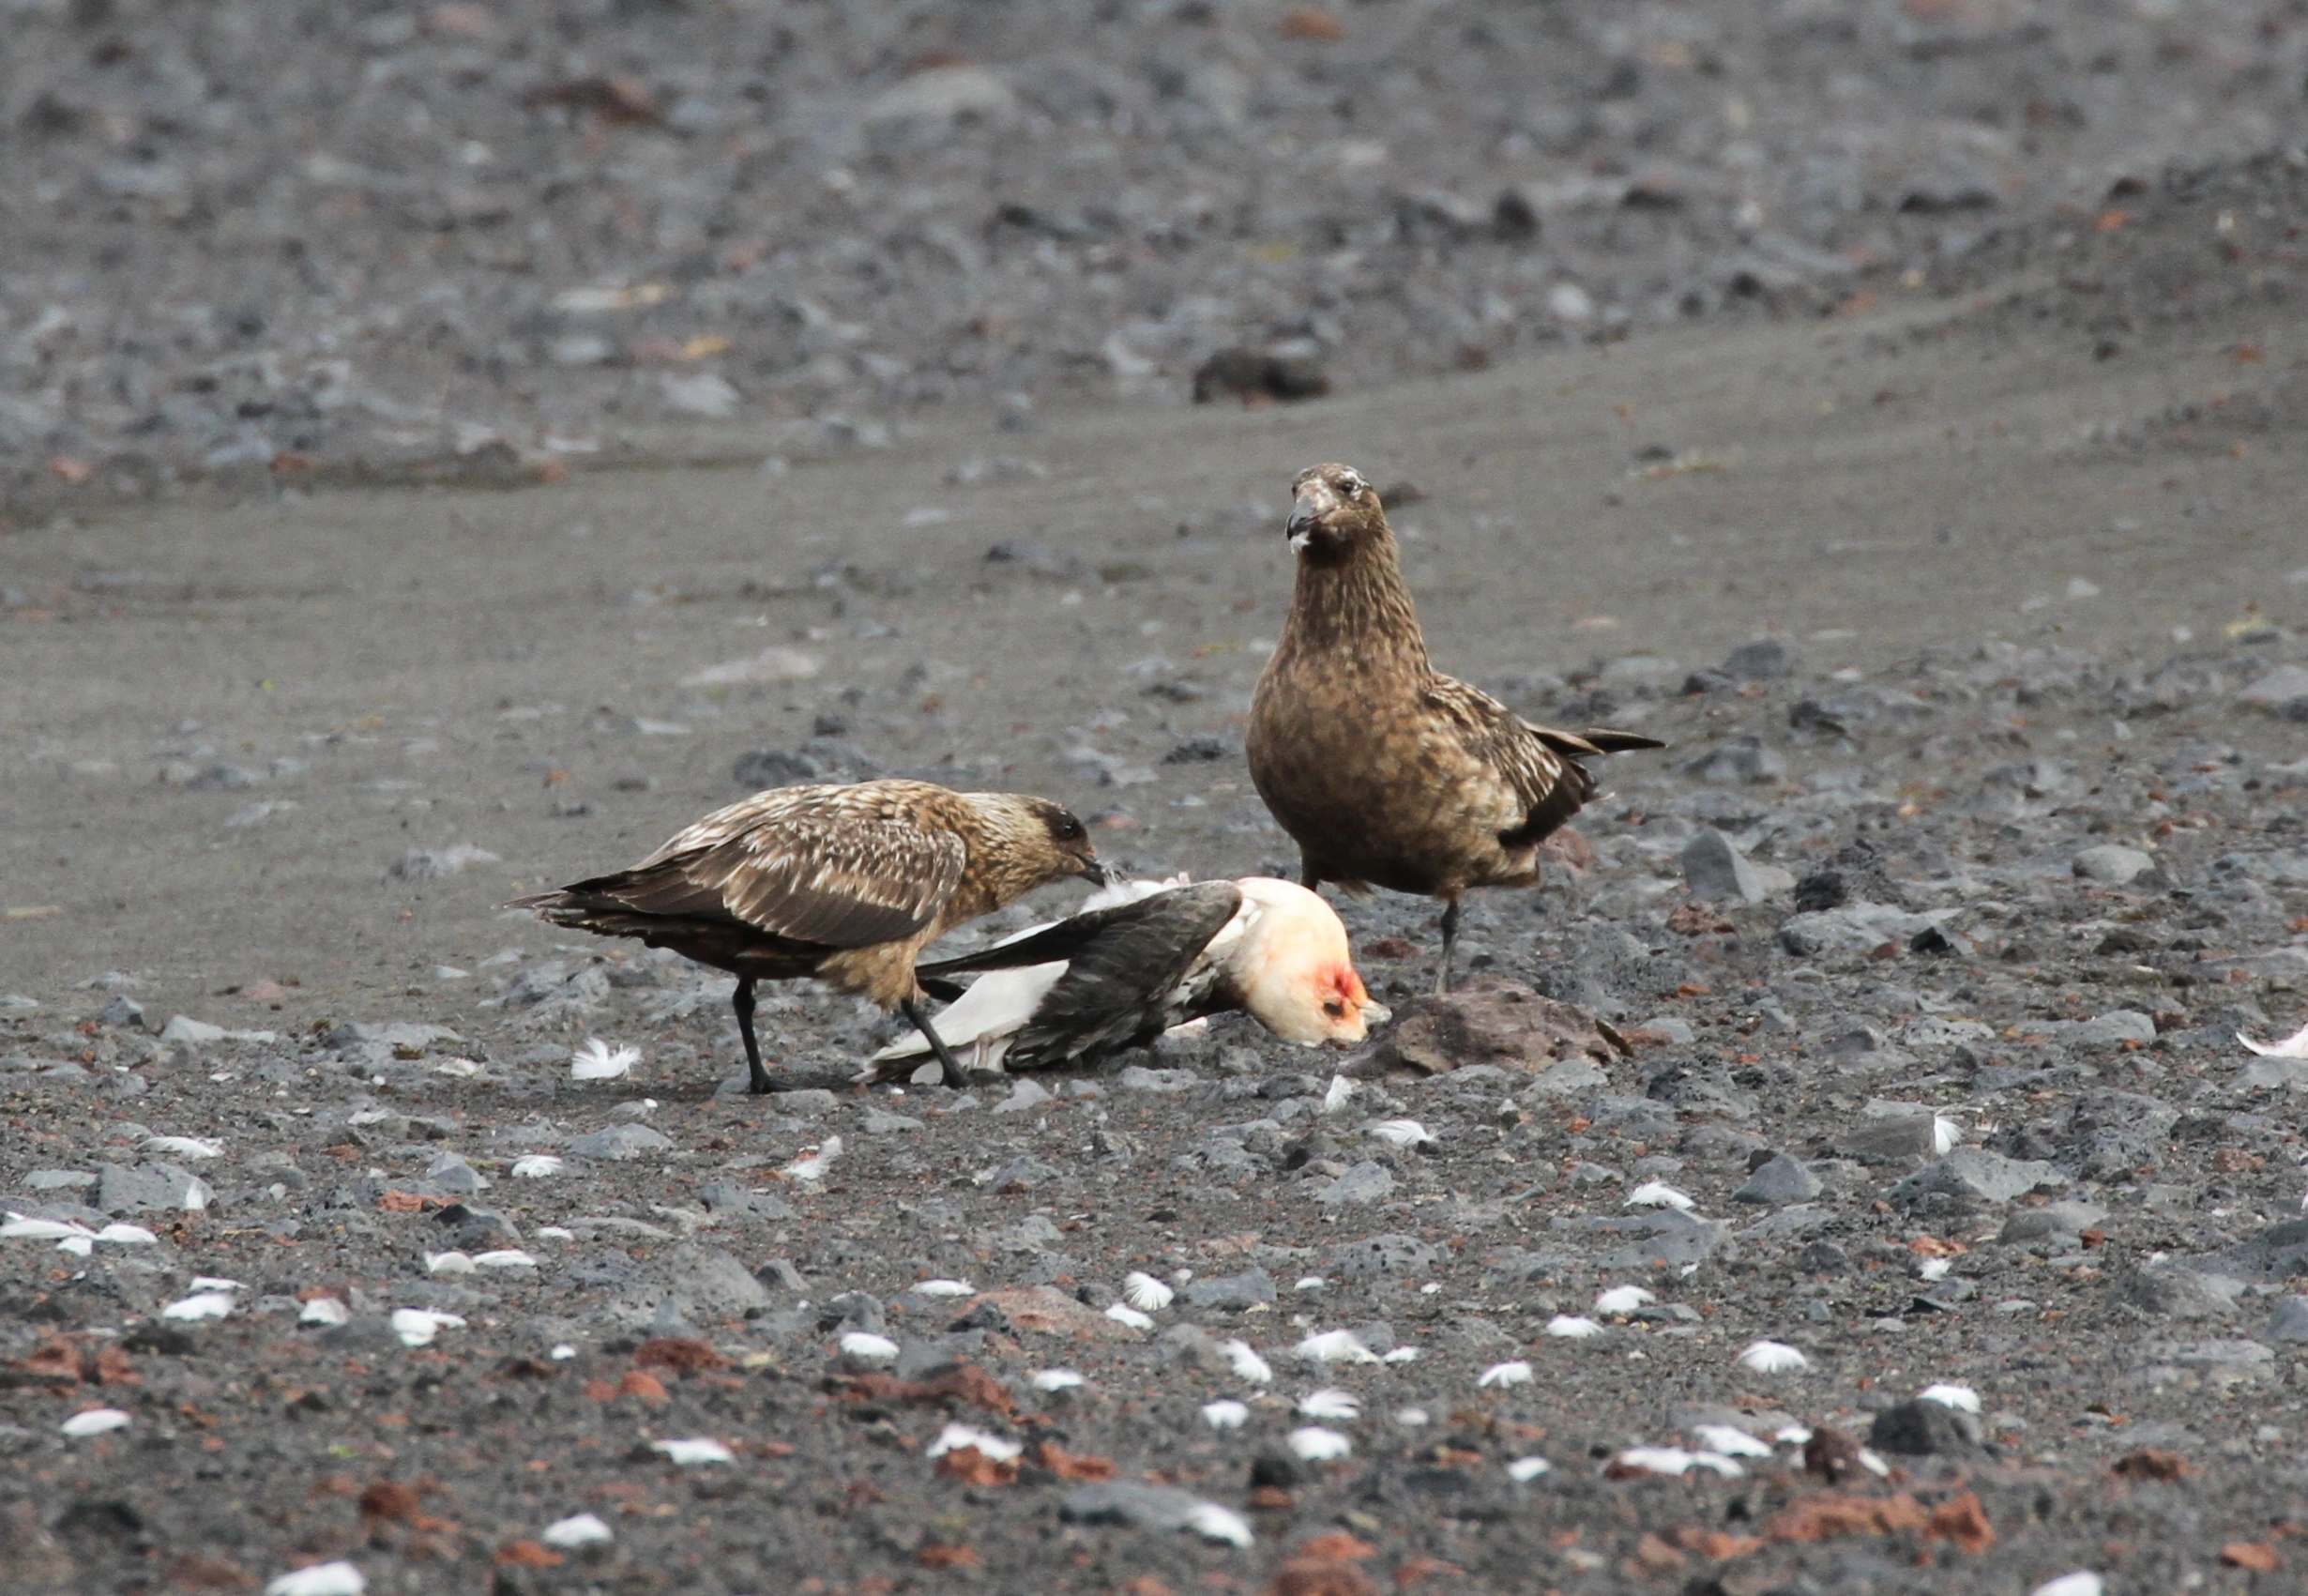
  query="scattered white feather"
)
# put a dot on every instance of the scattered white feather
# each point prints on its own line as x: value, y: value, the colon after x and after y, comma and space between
x: 504, y: 1258
x: 580, y: 1529
x: 1729, y: 1440
x: 598, y: 1061
x: 689, y: 1453
x: 1935, y: 1269
x: 1224, y: 1413
x: 1317, y: 1445
x: 1671, y: 1462
x: 1946, y: 1133
x: 867, y: 1346
x: 554, y: 1233
x: 416, y: 1327
x: 184, y: 1146
x: 200, y: 1305
x: 1523, y: 1469
x: 562, y: 1352
x: 1144, y: 1291
x: 1057, y: 1379
x: 2293, y: 1046
x: 1715, y: 1461
x: 1874, y: 1463
x: 1412, y: 1417
x: 44, y: 1229
x: 945, y: 1288
x: 1123, y: 1314
x: 1772, y: 1358
x: 214, y: 1283
x: 536, y: 1166
x: 1658, y: 1194
x: 2081, y: 1583
x: 953, y: 1438
x: 1401, y: 1355
x: 121, y: 1235
x: 1574, y: 1327
x: 1309, y: 1282
x: 1963, y: 1397
x: 1792, y: 1434
x: 95, y: 1421
x: 1402, y: 1132
x: 324, y: 1310
x: 462, y: 1069
x: 1330, y: 1403
x: 1336, y: 1099
x: 1214, y: 1523
x: 1514, y: 1373
x: 1622, y: 1300
x: 814, y: 1163
x: 1335, y: 1346
x: 449, y: 1263
x: 1244, y: 1359
x: 321, y: 1579
x: 79, y: 1246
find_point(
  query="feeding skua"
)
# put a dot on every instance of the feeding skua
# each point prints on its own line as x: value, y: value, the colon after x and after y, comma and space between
x: 845, y: 883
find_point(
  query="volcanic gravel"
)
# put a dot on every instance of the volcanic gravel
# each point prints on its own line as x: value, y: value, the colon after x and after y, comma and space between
x: 251, y: 241
x: 1891, y: 1018
x: 1844, y: 1174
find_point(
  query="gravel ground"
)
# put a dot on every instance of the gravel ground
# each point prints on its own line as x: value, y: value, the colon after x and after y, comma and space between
x: 1976, y: 614
x: 2017, y: 794
x: 1918, y: 990
x: 473, y: 243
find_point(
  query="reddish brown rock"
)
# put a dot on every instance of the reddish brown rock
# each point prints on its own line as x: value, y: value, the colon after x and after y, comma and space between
x: 1492, y: 1021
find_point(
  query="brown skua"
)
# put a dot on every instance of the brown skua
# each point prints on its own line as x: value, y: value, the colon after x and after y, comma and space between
x: 847, y: 884
x: 1385, y: 771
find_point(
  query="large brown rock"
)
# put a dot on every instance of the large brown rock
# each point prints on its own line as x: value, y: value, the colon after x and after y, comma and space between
x: 1492, y: 1021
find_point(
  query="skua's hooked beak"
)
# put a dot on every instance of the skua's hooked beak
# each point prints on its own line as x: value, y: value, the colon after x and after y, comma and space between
x: 1299, y: 528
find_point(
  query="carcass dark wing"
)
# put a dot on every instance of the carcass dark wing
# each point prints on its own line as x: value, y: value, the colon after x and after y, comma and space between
x: 1123, y: 967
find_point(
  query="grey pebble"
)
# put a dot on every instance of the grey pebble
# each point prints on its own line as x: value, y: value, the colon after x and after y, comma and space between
x: 1364, y: 1182
x: 1716, y: 871
x: 620, y: 1142
x: 149, y: 1186
x: 1922, y: 1428
x: 2287, y: 1323
x: 1247, y: 1289
x: 1898, y: 1141
x: 1023, y: 1095
x: 2051, y: 1219
x: 1975, y: 1173
x: 1779, y: 1182
x: 1382, y: 1257
x: 2112, y: 864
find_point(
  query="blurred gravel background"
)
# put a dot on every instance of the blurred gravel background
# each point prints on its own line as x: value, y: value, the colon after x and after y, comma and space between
x: 249, y: 240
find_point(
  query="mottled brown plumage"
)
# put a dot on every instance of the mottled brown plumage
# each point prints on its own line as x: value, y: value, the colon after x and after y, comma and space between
x: 1384, y: 770
x: 845, y: 883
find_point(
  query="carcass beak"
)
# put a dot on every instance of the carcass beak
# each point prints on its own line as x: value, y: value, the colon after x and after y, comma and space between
x: 1095, y: 873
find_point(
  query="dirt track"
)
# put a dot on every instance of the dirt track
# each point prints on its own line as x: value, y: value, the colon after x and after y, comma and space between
x: 227, y: 726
